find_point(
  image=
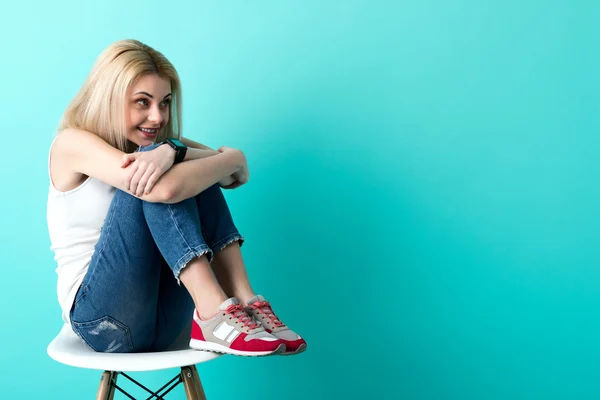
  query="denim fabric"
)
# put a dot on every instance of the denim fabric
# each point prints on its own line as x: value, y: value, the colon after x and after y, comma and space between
x: 131, y: 299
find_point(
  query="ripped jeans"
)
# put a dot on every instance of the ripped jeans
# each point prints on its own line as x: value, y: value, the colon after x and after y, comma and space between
x: 131, y: 299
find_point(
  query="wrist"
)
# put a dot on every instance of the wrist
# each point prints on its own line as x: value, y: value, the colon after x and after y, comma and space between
x: 168, y: 150
x: 178, y: 147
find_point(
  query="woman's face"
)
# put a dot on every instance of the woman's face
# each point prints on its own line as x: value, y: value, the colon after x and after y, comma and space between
x: 147, y: 108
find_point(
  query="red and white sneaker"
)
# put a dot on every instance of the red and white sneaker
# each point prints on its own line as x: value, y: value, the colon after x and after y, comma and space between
x: 232, y: 331
x: 261, y: 311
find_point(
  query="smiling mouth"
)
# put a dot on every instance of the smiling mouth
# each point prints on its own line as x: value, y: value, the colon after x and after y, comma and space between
x: 148, y: 131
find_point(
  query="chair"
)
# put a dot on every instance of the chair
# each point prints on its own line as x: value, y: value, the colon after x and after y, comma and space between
x: 67, y: 348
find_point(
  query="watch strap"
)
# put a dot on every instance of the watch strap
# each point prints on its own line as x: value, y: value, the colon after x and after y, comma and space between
x: 180, y: 150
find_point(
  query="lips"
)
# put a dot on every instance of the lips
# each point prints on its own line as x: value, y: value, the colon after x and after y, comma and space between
x: 148, y: 132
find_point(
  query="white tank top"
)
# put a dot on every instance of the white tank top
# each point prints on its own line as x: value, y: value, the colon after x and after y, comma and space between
x: 75, y: 219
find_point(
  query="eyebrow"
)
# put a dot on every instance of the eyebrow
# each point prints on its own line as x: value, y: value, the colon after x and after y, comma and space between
x: 149, y: 95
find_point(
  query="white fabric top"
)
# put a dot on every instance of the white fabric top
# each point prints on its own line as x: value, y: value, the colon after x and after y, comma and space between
x: 75, y: 219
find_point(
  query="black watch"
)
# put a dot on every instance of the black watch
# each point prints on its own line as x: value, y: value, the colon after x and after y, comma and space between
x: 179, y: 147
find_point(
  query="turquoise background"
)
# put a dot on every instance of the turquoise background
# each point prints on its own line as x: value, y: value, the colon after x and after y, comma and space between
x: 423, y: 203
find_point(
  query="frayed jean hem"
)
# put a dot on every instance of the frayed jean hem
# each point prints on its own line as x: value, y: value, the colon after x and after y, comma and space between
x: 227, y: 240
x: 187, y: 257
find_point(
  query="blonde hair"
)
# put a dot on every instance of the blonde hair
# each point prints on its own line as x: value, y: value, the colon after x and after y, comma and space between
x: 99, y: 106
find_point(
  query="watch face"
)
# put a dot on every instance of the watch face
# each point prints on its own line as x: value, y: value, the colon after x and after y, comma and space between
x: 177, y: 142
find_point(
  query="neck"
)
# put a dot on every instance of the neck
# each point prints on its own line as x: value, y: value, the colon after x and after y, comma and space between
x: 131, y: 147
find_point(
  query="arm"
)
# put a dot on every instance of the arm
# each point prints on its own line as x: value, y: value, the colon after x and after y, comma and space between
x: 86, y: 153
x: 195, y: 154
x: 187, y: 179
x: 146, y: 168
x: 198, y: 150
x: 196, y: 145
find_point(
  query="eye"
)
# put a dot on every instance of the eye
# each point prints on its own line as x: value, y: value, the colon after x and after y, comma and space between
x: 165, y: 103
x: 143, y: 102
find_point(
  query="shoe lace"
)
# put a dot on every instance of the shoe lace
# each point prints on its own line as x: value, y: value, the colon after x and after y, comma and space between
x: 264, y: 307
x: 236, y: 311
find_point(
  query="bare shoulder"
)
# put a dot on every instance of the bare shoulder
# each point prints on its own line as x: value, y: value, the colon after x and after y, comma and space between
x: 68, y: 140
x: 71, y: 138
x: 63, y: 177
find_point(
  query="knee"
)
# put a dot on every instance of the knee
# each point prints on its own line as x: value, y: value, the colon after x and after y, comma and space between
x: 125, y: 199
x: 124, y: 207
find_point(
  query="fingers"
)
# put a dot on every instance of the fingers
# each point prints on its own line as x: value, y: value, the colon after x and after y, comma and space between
x: 234, y: 185
x: 129, y: 177
x: 128, y: 158
x: 137, y: 177
x: 242, y: 175
x: 143, y: 171
x: 142, y: 185
x: 153, y: 178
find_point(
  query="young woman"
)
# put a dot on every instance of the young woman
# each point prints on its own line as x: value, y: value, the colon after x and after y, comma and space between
x: 135, y: 210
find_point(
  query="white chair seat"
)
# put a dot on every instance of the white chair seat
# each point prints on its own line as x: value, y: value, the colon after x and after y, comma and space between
x: 67, y: 348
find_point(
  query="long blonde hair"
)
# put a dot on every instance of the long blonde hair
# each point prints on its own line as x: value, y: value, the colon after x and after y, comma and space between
x: 99, y: 106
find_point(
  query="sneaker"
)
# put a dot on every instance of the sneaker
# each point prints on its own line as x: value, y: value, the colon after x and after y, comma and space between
x: 261, y: 311
x: 232, y: 331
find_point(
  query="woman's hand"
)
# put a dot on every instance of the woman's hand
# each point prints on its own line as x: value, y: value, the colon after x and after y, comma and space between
x: 145, y: 167
x: 230, y: 183
x: 226, y: 181
x: 240, y: 177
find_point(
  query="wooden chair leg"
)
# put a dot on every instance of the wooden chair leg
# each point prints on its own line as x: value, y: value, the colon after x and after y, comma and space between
x: 198, y: 383
x: 191, y: 383
x: 106, y: 391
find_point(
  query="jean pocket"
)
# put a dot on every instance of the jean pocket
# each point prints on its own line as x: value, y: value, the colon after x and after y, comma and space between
x: 106, y: 335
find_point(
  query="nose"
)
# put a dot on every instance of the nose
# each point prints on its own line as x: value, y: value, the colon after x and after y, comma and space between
x: 155, y: 116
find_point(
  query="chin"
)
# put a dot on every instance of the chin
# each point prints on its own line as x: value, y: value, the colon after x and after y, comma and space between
x: 145, y: 142
x: 140, y: 139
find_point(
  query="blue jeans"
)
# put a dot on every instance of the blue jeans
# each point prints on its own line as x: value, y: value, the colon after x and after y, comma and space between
x: 131, y: 299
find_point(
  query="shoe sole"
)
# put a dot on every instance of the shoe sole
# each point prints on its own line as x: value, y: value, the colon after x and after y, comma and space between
x: 218, y: 348
x: 299, y: 350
